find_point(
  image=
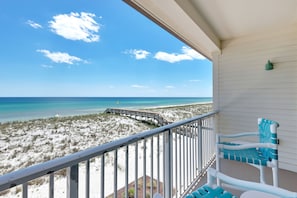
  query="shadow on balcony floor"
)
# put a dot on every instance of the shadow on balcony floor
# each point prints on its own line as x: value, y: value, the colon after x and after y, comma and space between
x: 287, y: 179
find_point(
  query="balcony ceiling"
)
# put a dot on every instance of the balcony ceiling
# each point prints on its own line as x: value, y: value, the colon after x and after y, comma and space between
x: 203, y: 24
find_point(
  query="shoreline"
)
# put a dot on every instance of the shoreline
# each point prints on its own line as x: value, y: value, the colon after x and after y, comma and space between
x: 96, y: 112
x: 30, y: 108
x: 182, y: 105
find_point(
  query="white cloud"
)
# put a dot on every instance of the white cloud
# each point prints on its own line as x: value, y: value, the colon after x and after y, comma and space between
x: 138, y: 86
x: 187, y: 54
x: 138, y: 53
x: 169, y: 87
x: 171, y: 58
x: 192, y: 53
x: 60, y: 57
x: 76, y: 26
x: 33, y: 24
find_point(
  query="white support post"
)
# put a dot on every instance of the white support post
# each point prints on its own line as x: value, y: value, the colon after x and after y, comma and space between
x: 168, y: 164
x: 200, y: 153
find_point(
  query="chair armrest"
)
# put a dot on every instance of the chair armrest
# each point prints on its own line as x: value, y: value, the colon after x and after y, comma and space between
x: 213, y: 174
x: 244, y: 134
x: 246, y: 146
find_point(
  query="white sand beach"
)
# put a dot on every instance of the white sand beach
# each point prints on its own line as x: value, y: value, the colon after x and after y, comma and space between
x: 30, y: 142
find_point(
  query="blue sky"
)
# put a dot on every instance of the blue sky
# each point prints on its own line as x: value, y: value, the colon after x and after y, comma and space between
x: 93, y: 48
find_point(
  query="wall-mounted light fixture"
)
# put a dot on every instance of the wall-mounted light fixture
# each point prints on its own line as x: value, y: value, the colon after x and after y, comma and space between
x: 269, y: 66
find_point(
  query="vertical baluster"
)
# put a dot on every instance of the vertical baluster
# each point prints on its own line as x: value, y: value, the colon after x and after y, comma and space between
x: 193, y: 149
x: 203, y: 143
x: 214, y: 129
x: 115, y: 176
x: 164, y: 168
x: 208, y: 135
x: 212, y: 134
x: 144, y: 168
x: 126, y: 171
x: 72, y: 181
x: 102, y: 175
x: 136, y: 170
x: 196, y: 149
x: 152, y: 166
x: 211, y: 138
x: 184, y: 158
x: 180, y: 160
x: 176, y: 168
x: 25, y: 190
x: 187, y: 155
x: 87, y: 178
x: 51, y: 185
x: 205, y: 137
x: 190, y: 152
x: 158, y: 163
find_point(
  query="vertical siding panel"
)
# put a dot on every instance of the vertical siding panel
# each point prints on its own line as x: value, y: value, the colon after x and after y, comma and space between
x: 247, y: 91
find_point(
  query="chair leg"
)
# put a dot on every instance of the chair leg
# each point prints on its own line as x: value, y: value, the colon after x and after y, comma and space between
x: 262, y: 174
x: 218, y: 167
x: 275, y: 176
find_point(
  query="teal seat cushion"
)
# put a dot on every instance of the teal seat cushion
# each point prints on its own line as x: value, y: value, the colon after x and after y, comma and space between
x: 208, y: 192
x: 252, y: 155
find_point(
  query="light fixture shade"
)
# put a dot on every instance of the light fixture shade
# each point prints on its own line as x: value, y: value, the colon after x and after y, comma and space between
x: 269, y: 66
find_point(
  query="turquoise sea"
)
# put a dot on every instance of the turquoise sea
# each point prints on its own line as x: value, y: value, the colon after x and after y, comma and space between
x: 26, y: 108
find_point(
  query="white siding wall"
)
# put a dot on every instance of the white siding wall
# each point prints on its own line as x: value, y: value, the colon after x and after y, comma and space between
x: 244, y: 90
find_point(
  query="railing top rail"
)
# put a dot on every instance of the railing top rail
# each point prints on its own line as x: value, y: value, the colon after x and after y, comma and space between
x: 23, y: 175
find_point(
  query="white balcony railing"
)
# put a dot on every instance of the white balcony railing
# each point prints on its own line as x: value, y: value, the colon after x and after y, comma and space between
x: 168, y: 160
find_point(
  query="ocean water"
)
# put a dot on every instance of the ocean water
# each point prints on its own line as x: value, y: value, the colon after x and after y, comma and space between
x: 26, y: 108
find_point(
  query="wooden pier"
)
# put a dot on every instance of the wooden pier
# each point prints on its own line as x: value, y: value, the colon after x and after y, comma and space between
x: 157, y: 120
x: 146, y: 116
